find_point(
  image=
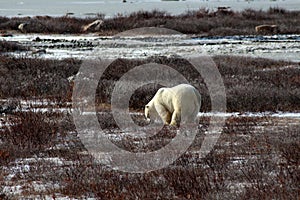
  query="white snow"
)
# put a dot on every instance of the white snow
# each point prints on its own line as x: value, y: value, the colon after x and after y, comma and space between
x: 21, y: 167
x: 284, y: 47
x: 112, y: 7
x: 252, y: 114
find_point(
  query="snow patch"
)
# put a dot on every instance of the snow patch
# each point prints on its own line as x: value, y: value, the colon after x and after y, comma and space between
x: 283, y: 47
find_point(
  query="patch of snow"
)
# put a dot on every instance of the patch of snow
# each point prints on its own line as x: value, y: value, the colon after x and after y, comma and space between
x: 12, y: 189
x: 285, y: 47
x: 238, y: 187
x: 252, y: 114
x: 21, y: 167
x: 279, y: 68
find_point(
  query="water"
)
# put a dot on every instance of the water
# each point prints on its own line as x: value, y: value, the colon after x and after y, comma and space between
x: 110, y: 8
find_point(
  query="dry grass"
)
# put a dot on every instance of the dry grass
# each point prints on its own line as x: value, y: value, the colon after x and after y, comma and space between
x: 251, y: 84
x: 11, y: 47
x: 28, y: 133
x: 250, y: 160
x: 202, y: 21
x: 254, y: 157
x: 30, y: 77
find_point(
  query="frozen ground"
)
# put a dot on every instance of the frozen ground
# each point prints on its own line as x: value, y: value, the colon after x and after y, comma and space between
x: 112, y: 7
x: 245, y: 143
x: 282, y: 47
x: 249, y: 139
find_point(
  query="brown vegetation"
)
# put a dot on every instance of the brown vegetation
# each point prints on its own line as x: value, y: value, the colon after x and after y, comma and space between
x: 250, y: 160
x: 251, y: 84
x: 30, y: 77
x: 6, y: 46
x: 29, y: 132
x: 203, y: 22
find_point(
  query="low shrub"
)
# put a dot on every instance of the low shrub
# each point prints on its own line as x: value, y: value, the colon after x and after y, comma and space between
x: 27, y: 77
x: 202, y: 21
x: 6, y: 46
x: 252, y: 84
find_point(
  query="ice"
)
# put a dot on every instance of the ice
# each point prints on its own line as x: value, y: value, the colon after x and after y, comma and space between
x: 112, y: 7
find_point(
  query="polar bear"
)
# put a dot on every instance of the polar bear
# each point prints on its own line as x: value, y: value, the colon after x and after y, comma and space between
x: 267, y: 29
x: 174, y: 105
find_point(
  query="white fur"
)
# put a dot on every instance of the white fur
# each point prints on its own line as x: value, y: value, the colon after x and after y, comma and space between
x: 175, y: 105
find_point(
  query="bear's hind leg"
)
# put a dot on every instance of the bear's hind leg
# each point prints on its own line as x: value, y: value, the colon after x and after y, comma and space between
x: 166, y: 118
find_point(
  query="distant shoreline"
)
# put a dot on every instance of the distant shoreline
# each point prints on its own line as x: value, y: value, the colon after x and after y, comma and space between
x: 112, y: 8
x: 202, y: 22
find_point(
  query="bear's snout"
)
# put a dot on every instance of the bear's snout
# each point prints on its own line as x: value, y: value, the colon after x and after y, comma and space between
x: 147, y: 117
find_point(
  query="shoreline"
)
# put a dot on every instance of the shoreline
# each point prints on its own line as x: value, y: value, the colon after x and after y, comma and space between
x: 112, y: 8
x: 87, y: 46
x: 202, y: 22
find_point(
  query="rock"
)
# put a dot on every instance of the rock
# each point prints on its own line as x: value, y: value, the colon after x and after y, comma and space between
x: 94, y: 26
x: 69, y: 14
x: 39, y: 51
x: 45, y: 17
x: 6, y: 35
x: 224, y: 10
x: 37, y: 39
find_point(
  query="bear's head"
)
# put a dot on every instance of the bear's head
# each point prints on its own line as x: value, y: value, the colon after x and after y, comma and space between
x: 149, y: 112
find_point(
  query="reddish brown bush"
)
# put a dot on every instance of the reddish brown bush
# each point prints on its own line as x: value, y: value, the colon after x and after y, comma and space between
x: 30, y: 130
x: 202, y: 21
x: 11, y: 47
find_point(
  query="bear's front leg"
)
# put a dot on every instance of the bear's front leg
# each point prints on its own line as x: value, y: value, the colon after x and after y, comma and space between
x: 175, y: 118
x: 164, y: 114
